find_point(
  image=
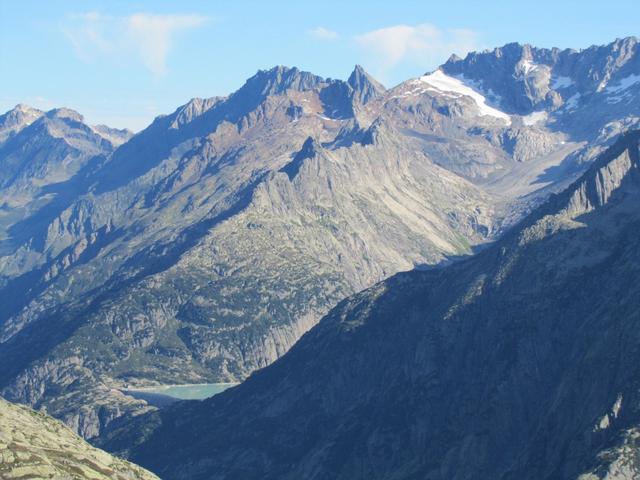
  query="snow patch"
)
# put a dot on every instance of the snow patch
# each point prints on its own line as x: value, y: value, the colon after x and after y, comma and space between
x: 561, y: 82
x: 454, y: 88
x: 323, y: 117
x: 572, y: 102
x: 623, y: 84
x: 534, y: 118
x: 528, y: 66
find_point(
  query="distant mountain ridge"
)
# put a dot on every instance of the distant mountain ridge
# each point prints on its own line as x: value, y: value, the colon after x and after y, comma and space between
x: 526, y: 78
x: 203, y: 247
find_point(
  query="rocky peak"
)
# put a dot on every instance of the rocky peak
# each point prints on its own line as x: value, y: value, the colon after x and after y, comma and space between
x: 278, y: 80
x: 24, y: 109
x: 65, y: 113
x: 454, y: 58
x: 625, y: 46
x: 508, y: 71
x: 117, y: 136
x: 520, y: 73
x: 365, y: 87
x: 192, y: 109
x: 16, y: 119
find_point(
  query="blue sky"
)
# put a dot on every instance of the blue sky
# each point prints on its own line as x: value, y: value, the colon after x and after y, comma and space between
x: 124, y: 62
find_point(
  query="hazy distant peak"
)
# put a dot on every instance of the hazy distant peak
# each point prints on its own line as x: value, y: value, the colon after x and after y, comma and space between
x: 16, y: 119
x: 21, y: 113
x: 24, y: 108
x: 117, y: 136
x: 65, y: 113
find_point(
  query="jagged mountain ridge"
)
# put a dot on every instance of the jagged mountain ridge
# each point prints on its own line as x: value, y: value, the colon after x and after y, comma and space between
x: 160, y: 266
x: 520, y: 362
x: 525, y: 79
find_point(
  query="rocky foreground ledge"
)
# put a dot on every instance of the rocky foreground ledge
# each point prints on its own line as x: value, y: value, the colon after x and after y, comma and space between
x: 34, y: 445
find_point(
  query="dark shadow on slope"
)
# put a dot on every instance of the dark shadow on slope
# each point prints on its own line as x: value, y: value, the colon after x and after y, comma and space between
x: 30, y: 344
x: 19, y: 291
x: 569, y: 167
x: 449, y: 259
x: 155, y: 399
x: 309, y: 149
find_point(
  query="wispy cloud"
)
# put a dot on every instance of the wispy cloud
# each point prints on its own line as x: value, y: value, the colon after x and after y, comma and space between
x: 422, y: 45
x: 322, y: 33
x: 145, y: 36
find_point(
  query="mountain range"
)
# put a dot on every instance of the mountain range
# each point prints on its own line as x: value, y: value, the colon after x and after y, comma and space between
x: 203, y: 247
x: 520, y: 362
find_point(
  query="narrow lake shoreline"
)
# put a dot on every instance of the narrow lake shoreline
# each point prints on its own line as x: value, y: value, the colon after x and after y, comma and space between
x: 158, y: 388
x: 163, y: 395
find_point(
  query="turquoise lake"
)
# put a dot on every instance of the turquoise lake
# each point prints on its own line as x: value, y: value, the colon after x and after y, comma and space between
x: 165, y: 395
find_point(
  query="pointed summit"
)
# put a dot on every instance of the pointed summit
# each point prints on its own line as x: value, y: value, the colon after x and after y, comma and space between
x: 365, y: 87
x: 192, y: 109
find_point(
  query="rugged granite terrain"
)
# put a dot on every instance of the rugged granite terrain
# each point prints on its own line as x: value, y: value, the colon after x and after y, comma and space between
x: 35, y: 446
x: 520, y: 362
x: 203, y: 247
x: 38, y: 152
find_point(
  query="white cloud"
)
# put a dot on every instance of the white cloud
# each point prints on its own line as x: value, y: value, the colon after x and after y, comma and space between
x: 424, y: 45
x: 322, y: 33
x: 145, y: 36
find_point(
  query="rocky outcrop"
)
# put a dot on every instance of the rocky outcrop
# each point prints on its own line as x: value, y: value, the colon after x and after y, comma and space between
x: 34, y: 445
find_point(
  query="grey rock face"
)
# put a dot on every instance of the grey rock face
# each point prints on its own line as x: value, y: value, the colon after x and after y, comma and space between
x: 203, y: 247
x: 365, y: 87
x: 520, y: 362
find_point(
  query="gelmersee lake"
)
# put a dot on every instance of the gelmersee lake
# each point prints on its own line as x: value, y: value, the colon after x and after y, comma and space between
x: 167, y: 394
